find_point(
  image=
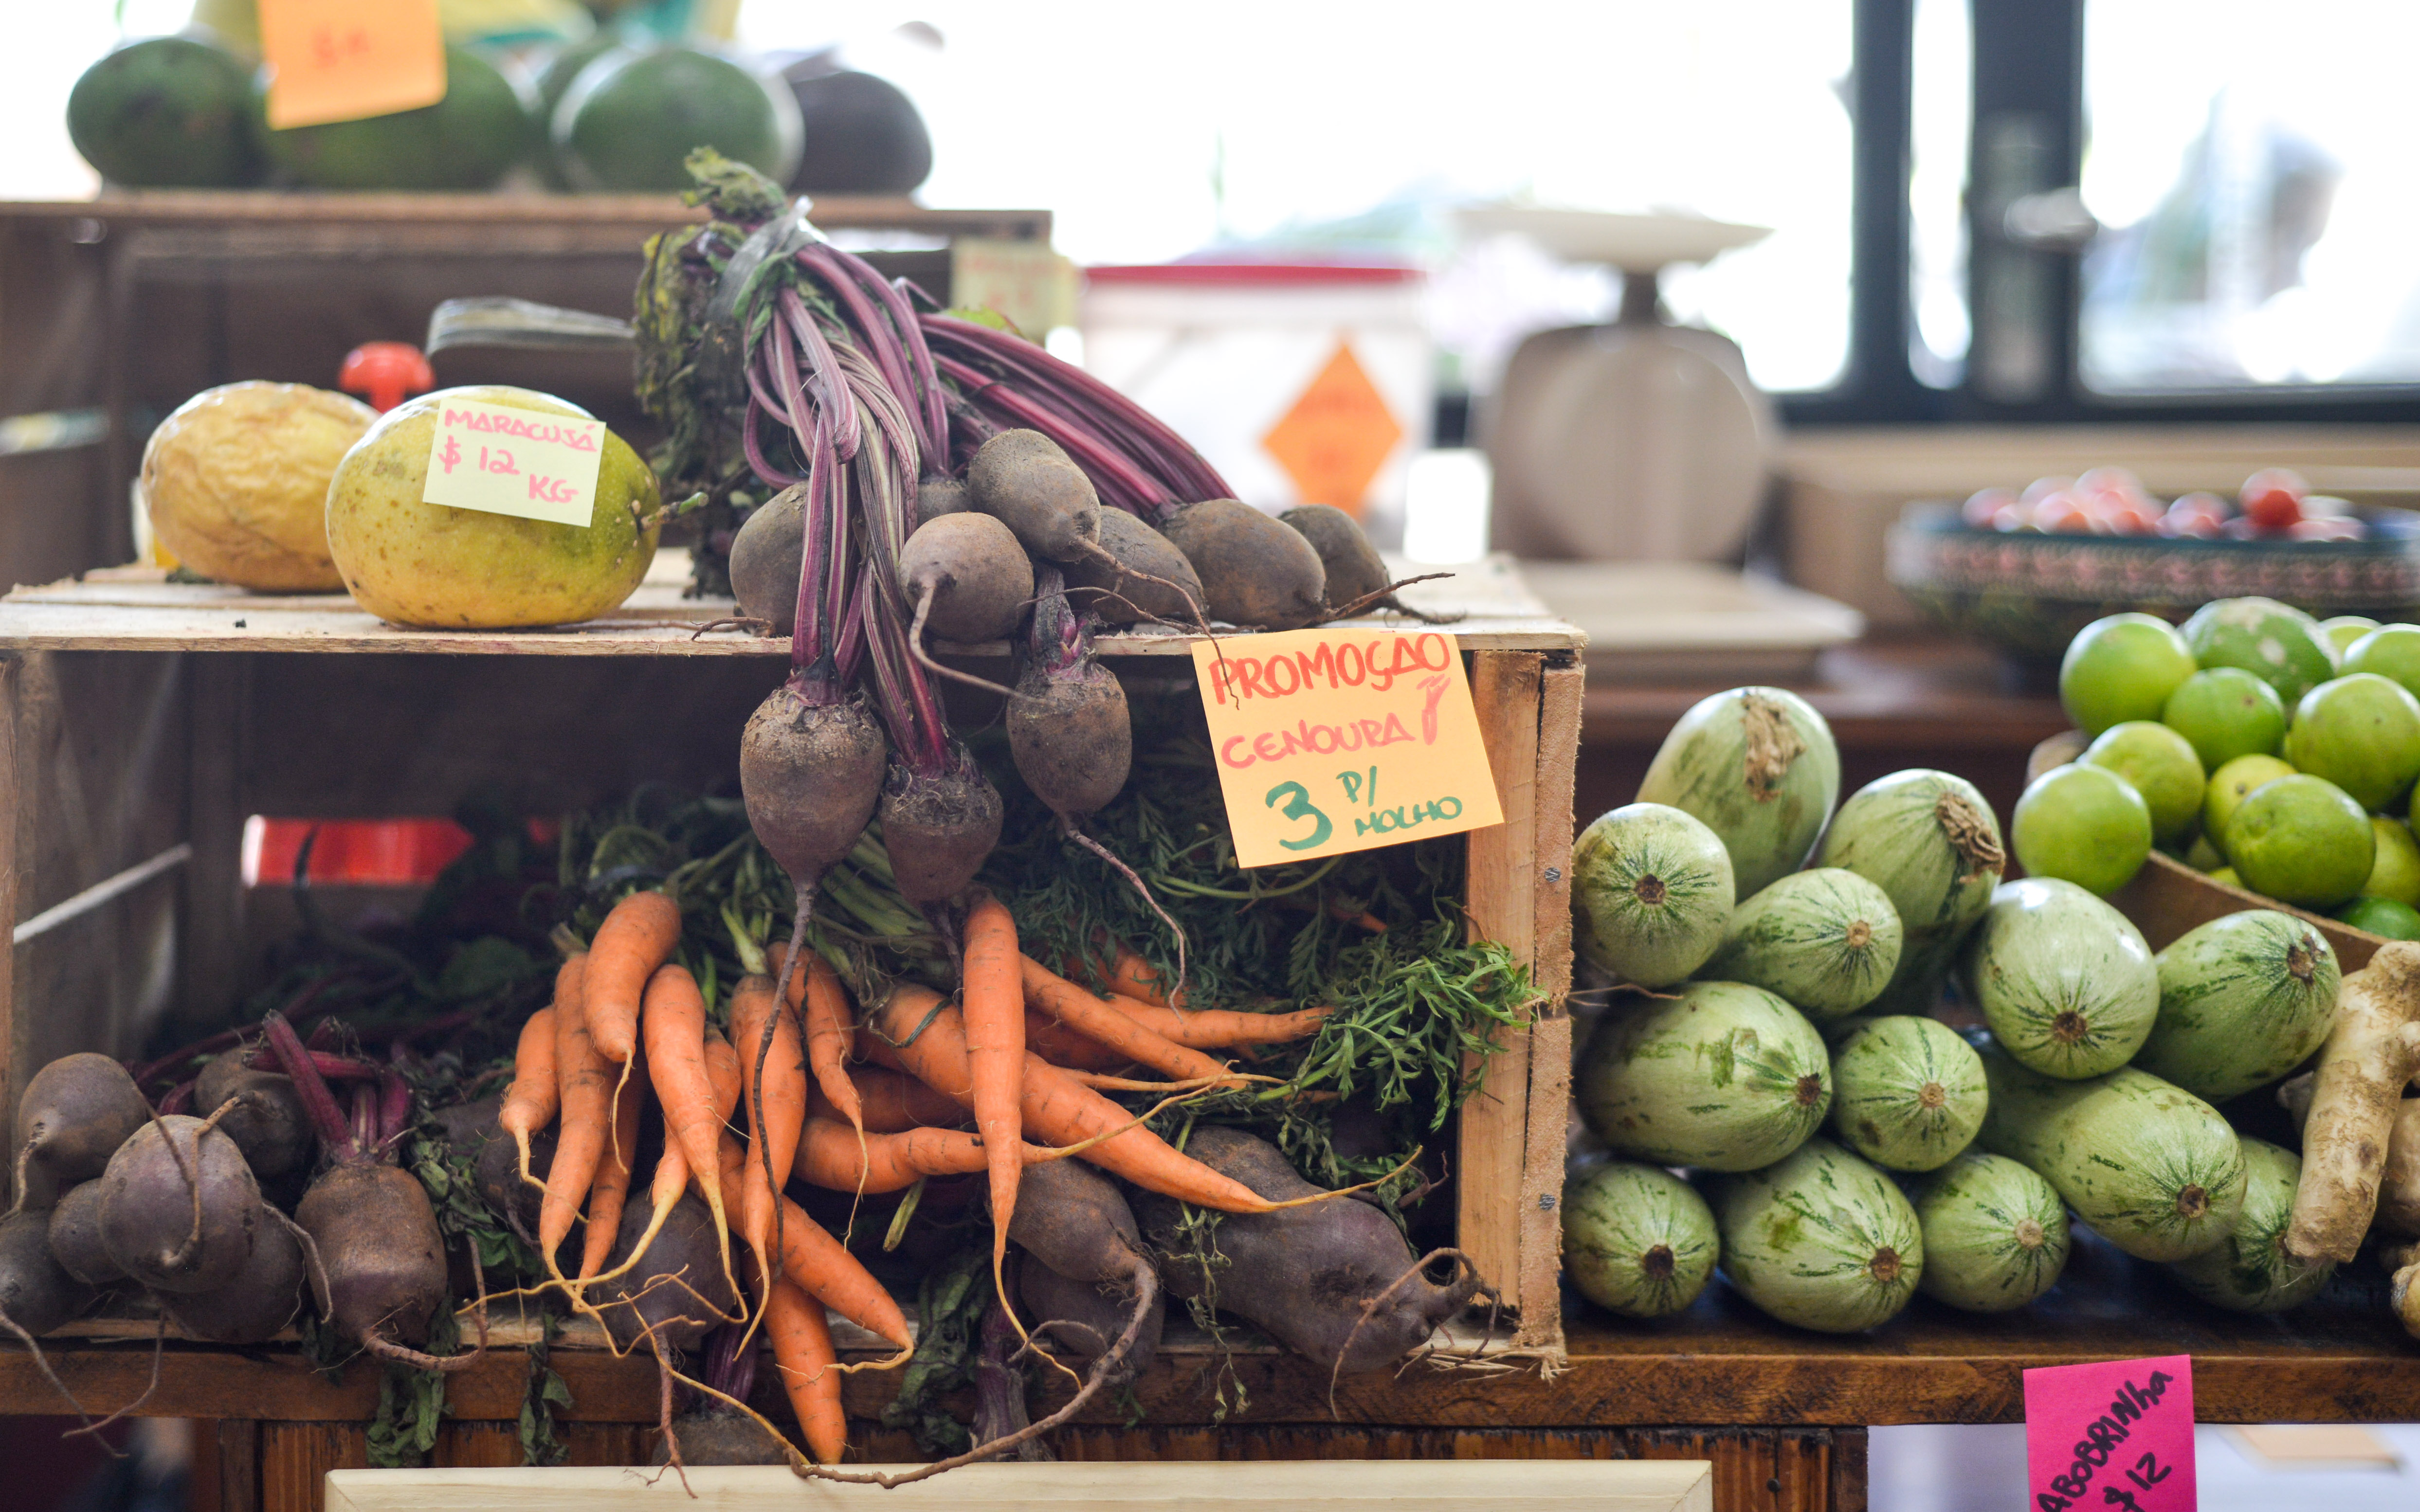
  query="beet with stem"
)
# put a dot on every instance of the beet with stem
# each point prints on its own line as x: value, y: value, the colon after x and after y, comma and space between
x: 1068, y: 728
x: 264, y: 1297
x: 1026, y: 481
x: 967, y: 578
x: 765, y: 555
x: 267, y: 1122
x: 75, y: 1237
x: 1255, y: 572
x: 1137, y: 575
x: 178, y: 1206
x: 677, y: 1293
x: 74, y: 1113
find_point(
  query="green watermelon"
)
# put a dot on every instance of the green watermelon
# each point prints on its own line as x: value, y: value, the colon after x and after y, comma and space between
x: 468, y: 140
x: 631, y: 118
x: 167, y: 113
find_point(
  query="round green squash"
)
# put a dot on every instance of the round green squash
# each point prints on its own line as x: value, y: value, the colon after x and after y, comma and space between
x: 2065, y: 980
x: 1995, y: 1235
x: 1820, y: 1240
x: 1636, y: 1240
x: 2249, y: 1271
x: 1760, y: 766
x: 1929, y: 842
x: 1650, y: 892
x: 2154, y: 1169
x: 2244, y: 1000
x: 1826, y: 940
x: 1723, y: 1075
x: 1907, y: 1092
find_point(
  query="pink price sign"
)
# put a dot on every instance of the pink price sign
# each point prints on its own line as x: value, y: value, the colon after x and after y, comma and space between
x: 2118, y: 1434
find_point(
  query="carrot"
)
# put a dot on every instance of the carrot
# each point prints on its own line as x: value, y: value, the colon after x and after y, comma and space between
x: 824, y: 1270
x: 1056, y: 1108
x: 803, y: 1353
x: 1099, y: 1020
x: 722, y: 1071
x: 830, y: 1029
x: 636, y: 937
x: 674, y: 1018
x: 580, y: 1072
x: 993, y: 1013
x: 1130, y: 976
x: 530, y: 1102
x: 612, y: 1188
x: 829, y: 1156
x: 773, y: 1100
x: 1223, y: 1029
x: 889, y: 1102
x: 1059, y: 1045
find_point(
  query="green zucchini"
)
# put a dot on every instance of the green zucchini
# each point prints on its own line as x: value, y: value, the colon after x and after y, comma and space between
x: 1995, y: 1235
x: 2065, y: 980
x: 1826, y: 940
x: 1650, y: 892
x: 1820, y: 1240
x: 2244, y: 1000
x: 1907, y: 1092
x: 1929, y: 842
x: 1724, y: 1076
x: 1637, y: 1241
x: 1760, y: 766
x: 2250, y: 1271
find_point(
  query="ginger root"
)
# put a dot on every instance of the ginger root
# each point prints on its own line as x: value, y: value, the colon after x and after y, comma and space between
x: 2371, y: 1054
x: 2399, y: 1190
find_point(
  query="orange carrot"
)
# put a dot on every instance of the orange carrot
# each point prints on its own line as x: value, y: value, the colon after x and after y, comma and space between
x: 530, y: 1102
x: 993, y: 1011
x: 722, y: 1070
x: 611, y: 1191
x: 829, y: 1156
x: 1223, y: 1029
x: 1058, y: 1109
x: 636, y: 938
x: 585, y: 1097
x: 773, y: 1104
x: 803, y: 1353
x: 675, y: 1021
x: 1100, y: 1020
x: 1059, y: 1045
x: 1130, y: 976
x: 830, y: 1027
x: 890, y: 1103
x: 824, y: 1270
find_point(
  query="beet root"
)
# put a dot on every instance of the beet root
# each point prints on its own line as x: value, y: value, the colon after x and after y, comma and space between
x: 379, y: 1245
x: 940, y: 496
x: 36, y: 1293
x: 1024, y: 480
x: 677, y: 1292
x: 75, y: 1237
x: 75, y: 1113
x: 264, y: 1297
x: 938, y: 830
x: 1307, y: 1277
x: 1122, y: 576
x: 1254, y: 571
x: 1070, y: 737
x: 1353, y: 567
x: 1087, y: 1318
x: 979, y: 577
x: 148, y: 1217
x: 720, y: 1435
x: 267, y: 1122
x: 810, y: 774
x: 765, y: 556
x: 497, y: 1172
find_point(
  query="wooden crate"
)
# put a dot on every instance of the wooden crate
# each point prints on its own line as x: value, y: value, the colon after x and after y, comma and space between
x: 146, y: 720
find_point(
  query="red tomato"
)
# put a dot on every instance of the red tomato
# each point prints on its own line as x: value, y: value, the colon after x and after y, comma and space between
x: 1984, y: 503
x: 2328, y: 528
x: 2064, y: 514
x: 2273, y: 499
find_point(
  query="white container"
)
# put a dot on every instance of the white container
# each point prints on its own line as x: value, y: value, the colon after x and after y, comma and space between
x: 1301, y: 383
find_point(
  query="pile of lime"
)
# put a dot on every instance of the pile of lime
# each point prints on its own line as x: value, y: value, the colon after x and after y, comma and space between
x: 2275, y: 751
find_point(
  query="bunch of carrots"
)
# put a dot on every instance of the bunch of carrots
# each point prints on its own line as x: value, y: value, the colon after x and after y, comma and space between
x: 855, y: 1097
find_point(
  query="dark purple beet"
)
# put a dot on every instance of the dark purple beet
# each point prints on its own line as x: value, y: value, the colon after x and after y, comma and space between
x: 147, y: 1219
x: 1068, y: 728
x: 264, y: 1297
x: 267, y: 1122
x: 980, y: 579
x: 765, y: 556
x: 75, y: 1237
x: 1120, y: 589
x: 938, y: 830
x: 1087, y: 1317
x: 75, y: 1113
x: 378, y: 1241
x: 810, y: 774
x: 678, y: 1289
x: 35, y: 1293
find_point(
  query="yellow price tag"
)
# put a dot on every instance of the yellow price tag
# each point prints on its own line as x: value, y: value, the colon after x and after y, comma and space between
x: 503, y: 461
x: 1337, y: 740
x: 344, y: 61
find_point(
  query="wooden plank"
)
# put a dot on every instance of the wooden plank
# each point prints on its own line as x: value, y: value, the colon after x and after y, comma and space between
x: 1848, y: 1470
x: 1550, y: 1036
x: 170, y: 206
x: 236, y: 1445
x: 1501, y: 900
x: 1076, y: 1486
x: 210, y: 967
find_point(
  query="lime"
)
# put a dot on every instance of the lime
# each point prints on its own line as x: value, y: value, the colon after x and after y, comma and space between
x: 2390, y: 651
x: 2162, y: 767
x: 2381, y: 916
x: 2204, y: 855
x: 2396, y: 872
x: 2227, y: 712
x: 2227, y: 786
x: 2227, y: 875
x: 2121, y: 668
x: 2303, y: 839
x: 2084, y: 824
x: 2279, y: 644
x: 2361, y: 733
x: 2345, y: 629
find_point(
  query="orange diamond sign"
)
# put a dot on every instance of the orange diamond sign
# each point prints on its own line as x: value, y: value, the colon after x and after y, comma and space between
x: 1337, y: 436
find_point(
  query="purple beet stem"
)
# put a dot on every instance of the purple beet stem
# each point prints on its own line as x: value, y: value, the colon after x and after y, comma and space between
x: 318, y: 1104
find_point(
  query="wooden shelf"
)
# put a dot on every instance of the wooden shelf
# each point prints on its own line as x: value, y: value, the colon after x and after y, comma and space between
x: 296, y: 208
x: 136, y: 608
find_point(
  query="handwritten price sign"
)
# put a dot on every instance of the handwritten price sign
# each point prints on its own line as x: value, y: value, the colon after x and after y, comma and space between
x: 345, y: 60
x: 2119, y: 1434
x: 503, y: 461
x: 1330, y: 741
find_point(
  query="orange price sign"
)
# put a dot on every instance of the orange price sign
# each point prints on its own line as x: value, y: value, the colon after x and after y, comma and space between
x: 1337, y: 740
x: 344, y: 61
